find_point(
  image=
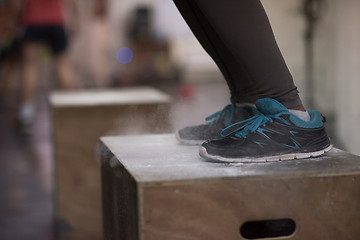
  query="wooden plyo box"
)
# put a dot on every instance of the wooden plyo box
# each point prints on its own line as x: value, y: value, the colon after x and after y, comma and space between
x: 80, y: 118
x: 155, y: 188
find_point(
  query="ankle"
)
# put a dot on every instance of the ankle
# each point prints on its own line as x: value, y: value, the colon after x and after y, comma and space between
x: 299, y: 108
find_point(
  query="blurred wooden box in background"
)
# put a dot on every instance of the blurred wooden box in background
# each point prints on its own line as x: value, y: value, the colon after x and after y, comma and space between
x: 79, y: 119
x: 155, y: 188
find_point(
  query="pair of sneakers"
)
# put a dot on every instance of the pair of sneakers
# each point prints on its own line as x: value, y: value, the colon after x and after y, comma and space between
x: 267, y: 132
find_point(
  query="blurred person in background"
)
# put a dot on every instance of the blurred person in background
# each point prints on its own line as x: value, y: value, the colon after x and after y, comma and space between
x: 99, y: 43
x: 94, y: 40
x: 43, y: 23
x: 152, y: 64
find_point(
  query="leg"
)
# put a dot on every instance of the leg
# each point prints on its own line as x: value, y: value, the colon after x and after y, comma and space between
x: 58, y: 41
x: 31, y: 54
x: 6, y: 70
x: 238, y: 36
x: 64, y: 71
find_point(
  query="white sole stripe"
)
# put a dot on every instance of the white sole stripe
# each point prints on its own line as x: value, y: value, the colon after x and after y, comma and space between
x: 203, y: 153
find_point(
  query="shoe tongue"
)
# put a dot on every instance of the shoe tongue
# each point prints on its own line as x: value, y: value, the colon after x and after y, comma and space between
x: 269, y: 106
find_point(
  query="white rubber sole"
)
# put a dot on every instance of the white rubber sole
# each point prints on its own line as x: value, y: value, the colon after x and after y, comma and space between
x: 188, y: 142
x: 203, y: 153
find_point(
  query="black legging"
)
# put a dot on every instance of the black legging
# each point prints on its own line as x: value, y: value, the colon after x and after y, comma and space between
x: 238, y: 36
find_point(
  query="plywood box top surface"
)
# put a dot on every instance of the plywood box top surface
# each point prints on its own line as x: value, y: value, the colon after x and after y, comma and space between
x: 160, y: 159
x: 95, y: 97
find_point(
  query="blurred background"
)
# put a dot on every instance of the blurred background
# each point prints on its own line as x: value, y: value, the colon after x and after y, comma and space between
x: 320, y: 41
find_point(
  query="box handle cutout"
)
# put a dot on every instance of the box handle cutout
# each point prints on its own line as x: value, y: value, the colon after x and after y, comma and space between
x: 265, y: 229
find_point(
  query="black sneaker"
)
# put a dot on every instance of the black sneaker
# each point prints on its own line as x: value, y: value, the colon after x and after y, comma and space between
x: 271, y: 135
x: 196, y: 135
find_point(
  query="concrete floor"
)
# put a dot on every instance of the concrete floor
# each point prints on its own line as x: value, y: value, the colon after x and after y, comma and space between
x: 26, y: 207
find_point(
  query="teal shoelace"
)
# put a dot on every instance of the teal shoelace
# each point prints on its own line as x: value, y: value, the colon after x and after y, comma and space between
x: 251, y: 125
